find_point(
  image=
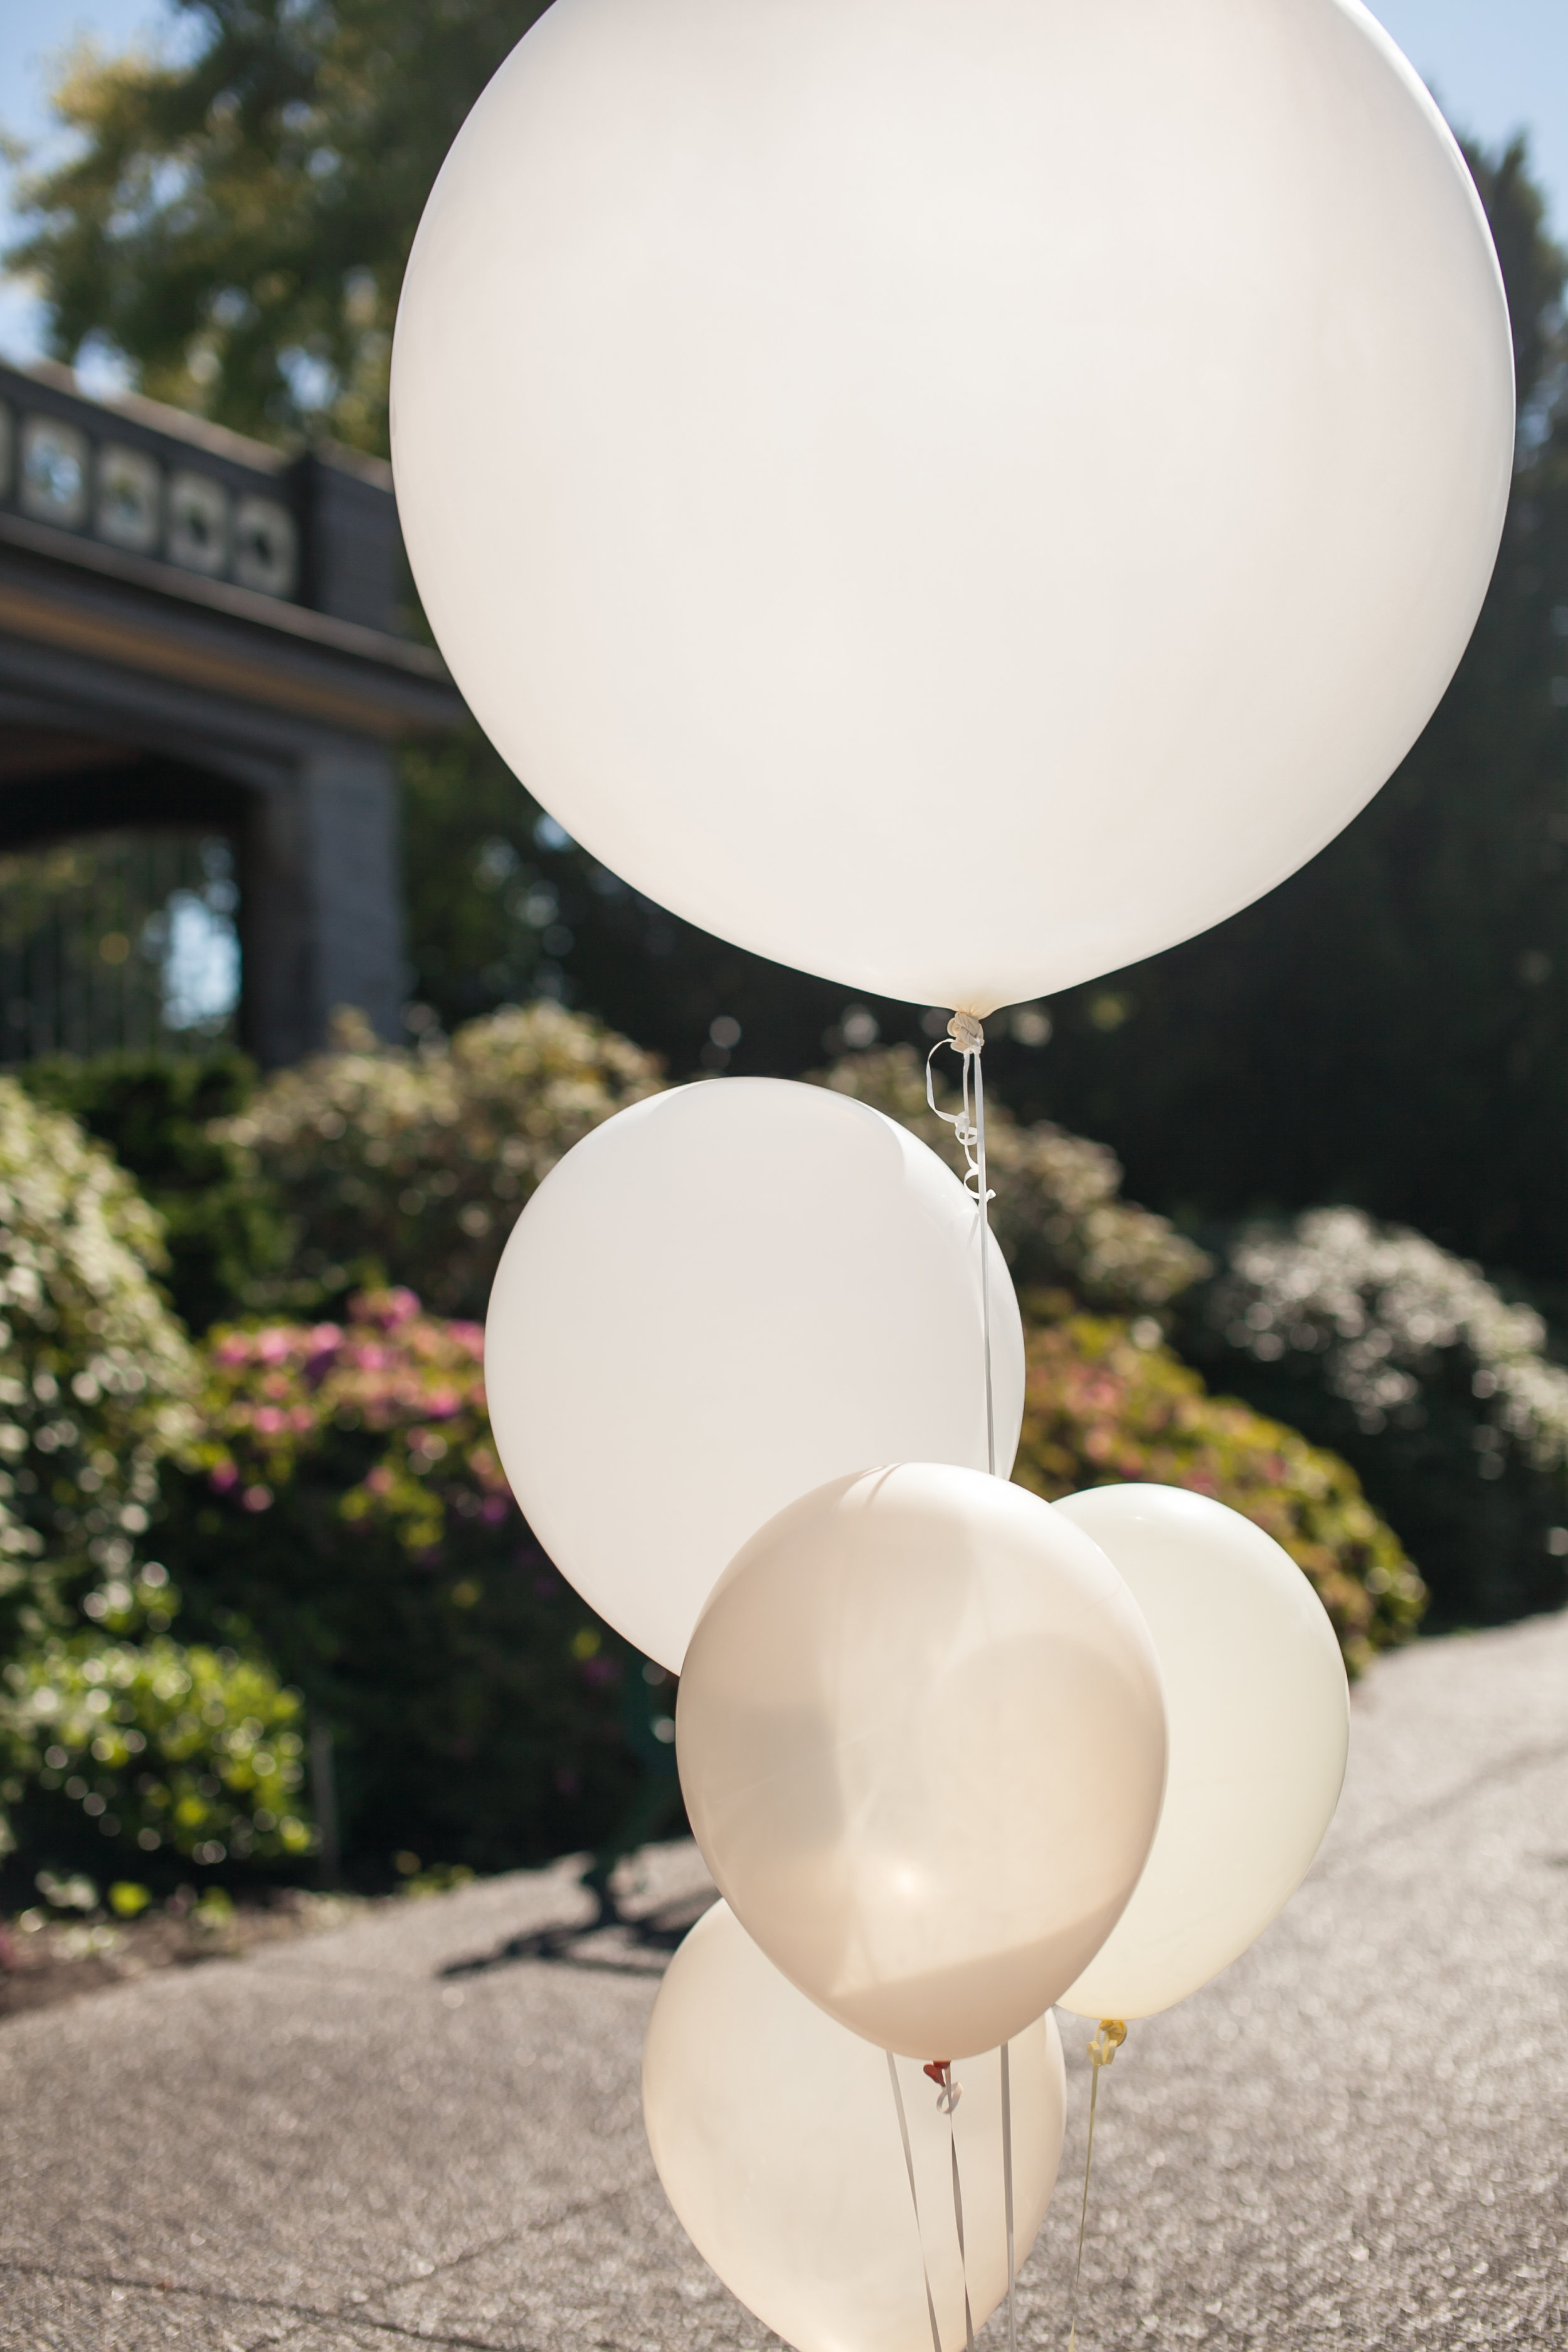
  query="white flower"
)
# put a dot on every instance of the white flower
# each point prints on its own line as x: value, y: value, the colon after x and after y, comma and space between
x: 1384, y: 1304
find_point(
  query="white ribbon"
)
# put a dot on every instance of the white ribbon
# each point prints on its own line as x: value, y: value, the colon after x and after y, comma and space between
x: 966, y: 1037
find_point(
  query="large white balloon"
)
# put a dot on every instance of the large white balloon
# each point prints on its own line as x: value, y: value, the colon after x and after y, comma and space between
x: 777, y: 2141
x: 922, y: 1749
x: 1259, y: 1723
x: 834, y: 436
x: 719, y: 1298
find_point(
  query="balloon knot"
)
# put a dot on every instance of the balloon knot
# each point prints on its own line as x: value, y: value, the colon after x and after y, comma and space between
x: 1108, y: 2041
x: 966, y: 1033
x: 949, y: 2093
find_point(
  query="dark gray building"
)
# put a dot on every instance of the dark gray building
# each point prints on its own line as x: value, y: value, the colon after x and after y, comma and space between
x: 200, y: 664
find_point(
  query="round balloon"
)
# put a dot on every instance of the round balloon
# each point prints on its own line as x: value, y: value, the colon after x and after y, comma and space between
x: 832, y: 431
x: 1258, y: 1712
x: 923, y: 1748
x: 776, y: 2136
x: 718, y: 1299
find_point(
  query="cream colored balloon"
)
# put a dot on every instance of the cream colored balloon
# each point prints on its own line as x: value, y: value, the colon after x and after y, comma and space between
x: 836, y: 436
x: 776, y: 2138
x: 1258, y: 1712
x: 922, y: 1749
x: 718, y: 1299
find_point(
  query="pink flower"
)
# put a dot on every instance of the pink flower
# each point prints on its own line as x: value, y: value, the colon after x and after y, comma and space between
x: 233, y: 1349
x: 256, y: 1499
x: 494, y: 1508
x: 387, y: 1308
x: 380, y: 1480
x: 222, y: 1476
x: 268, y: 1421
x: 274, y: 1347
x: 442, y: 1403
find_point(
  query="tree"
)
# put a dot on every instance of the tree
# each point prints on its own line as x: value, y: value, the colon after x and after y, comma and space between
x: 235, y: 224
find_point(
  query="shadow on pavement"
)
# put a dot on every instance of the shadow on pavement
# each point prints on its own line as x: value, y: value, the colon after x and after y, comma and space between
x: 638, y: 1945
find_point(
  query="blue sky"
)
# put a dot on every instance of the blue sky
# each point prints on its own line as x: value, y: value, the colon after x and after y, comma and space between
x: 1496, y: 66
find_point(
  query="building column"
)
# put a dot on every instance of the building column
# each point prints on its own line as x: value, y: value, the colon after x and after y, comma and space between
x: 321, y: 903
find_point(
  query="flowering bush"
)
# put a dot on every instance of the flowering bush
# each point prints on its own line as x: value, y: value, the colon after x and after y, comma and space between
x: 344, y: 1509
x: 96, y: 1375
x: 1106, y: 1402
x: 1058, y: 1213
x: 1408, y: 1361
x: 414, y: 1165
x: 410, y: 1381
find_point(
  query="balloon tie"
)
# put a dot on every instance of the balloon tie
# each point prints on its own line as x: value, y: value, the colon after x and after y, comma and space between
x: 966, y: 1037
x: 1102, y: 2050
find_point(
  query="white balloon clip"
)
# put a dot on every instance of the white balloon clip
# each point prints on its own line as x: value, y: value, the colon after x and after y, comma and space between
x: 947, y: 2092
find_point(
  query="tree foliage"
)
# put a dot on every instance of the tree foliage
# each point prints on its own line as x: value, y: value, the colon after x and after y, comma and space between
x: 1390, y: 1027
x: 236, y: 218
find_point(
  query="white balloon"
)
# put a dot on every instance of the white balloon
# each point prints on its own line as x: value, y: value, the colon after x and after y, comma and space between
x: 1258, y: 1712
x: 776, y: 2138
x: 724, y: 1296
x: 954, y: 498
x: 922, y: 1749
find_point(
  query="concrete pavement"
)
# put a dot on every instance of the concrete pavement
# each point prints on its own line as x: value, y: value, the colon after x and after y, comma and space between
x: 413, y: 2130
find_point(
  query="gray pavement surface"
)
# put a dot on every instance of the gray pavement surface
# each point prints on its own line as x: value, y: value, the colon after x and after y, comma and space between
x: 1357, y: 2136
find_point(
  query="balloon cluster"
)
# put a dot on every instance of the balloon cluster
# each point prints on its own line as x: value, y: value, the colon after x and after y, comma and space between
x: 955, y: 499
x: 953, y: 1754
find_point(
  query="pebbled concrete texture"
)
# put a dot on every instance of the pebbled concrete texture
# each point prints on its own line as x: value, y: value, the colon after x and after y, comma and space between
x: 403, y: 2133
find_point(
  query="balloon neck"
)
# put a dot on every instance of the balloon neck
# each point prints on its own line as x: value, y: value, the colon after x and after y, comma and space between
x: 966, y: 1033
x: 1108, y: 2041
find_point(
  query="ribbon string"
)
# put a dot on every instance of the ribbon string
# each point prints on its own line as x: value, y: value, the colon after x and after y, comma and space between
x: 1101, y: 2050
x: 948, y: 2101
x: 967, y: 1038
x: 914, y: 2198
x: 1007, y: 2189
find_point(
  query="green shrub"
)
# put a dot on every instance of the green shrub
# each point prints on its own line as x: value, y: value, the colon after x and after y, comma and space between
x: 223, y: 1234
x: 96, y: 1375
x: 1407, y: 1361
x: 1107, y: 1402
x: 415, y: 1164
x: 344, y: 1511
x: 165, y: 1748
